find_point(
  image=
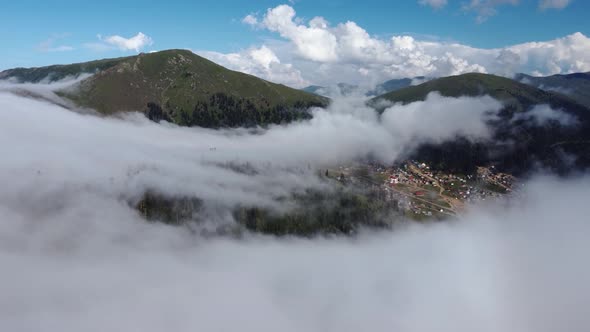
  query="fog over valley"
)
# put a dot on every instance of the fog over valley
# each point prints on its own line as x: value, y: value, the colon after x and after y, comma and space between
x: 408, y: 166
x: 77, y: 255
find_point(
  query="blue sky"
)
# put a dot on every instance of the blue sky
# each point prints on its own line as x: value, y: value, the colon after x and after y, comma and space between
x: 216, y: 26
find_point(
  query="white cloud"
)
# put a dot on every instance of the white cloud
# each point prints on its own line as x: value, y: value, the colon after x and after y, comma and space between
x: 49, y: 45
x: 135, y: 43
x: 73, y: 251
x: 327, y: 54
x: 541, y: 115
x: 61, y: 48
x: 348, y: 129
x: 314, y: 42
x: 261, y: 62
x: 569, y: 54
x: 486, y: 8
x: 420, y: 122
x: 435, y: 4
x: 250, y: 20
x: 554, y: 4
x: 512, y: 268
x: 264, y: 56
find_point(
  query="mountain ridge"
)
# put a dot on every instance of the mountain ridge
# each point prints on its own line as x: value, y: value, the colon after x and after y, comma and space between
x: 530, y: 145
x: 508, y: 90
x: 575, y: 86
x: 57, y: 72
x: 186, y: 88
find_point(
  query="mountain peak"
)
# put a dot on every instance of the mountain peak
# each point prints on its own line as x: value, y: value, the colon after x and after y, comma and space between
x: 187, y: 88
x: 476, y: 84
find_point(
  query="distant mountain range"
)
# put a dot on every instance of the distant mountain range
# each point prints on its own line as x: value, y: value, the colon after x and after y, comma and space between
x: 59, y: 72
x: 178, y: 86
x: 345, y: 89
x: 576, y: 86
x: 518, y: 146
x: 340, y: 89
x: 186, y: 89
x: 396, y: 84
x: 518, y: 94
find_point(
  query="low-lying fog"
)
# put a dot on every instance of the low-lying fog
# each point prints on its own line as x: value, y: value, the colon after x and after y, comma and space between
x: 75, y: 256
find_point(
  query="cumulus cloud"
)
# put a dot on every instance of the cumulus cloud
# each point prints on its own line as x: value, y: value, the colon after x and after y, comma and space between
x: 435, y: 4
x: 251, y: 20
x: 553, y: 4
x: 314, y: 41
x: 264, y: 56
x: 563, y: 55
x: 328, y: 54
x: 261, y: 62
x: 135, y: 43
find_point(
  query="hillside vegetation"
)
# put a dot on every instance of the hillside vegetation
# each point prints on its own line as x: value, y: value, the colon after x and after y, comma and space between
x: 58, y: 72
x: 513, y: 93
x: 181, y: 87
x: 576, y: 86
x: 518, y: 146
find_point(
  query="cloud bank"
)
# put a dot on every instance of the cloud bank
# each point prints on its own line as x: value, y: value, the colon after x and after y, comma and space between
x: 118, y: 158
x: 76, y: 256
x: 511, y: 267
x: 325, y: 54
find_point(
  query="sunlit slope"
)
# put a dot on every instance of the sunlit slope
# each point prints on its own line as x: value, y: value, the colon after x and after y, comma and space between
x: 59, y: 72
x: 517, y: 145
x: 518, y: 95
x: 182, y: 87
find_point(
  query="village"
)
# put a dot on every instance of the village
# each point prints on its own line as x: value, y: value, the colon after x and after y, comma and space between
x: 422, y: 193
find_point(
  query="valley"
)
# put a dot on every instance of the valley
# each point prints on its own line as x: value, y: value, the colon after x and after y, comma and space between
x: 295, y: 166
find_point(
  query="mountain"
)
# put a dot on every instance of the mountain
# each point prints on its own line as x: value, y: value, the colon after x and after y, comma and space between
x: 518, y: 145
x: 343, y: 89
x: 395, y: 84
x: 518, y: 95
x: 346, y: 89
x: 178, y: 86
x: 59, y: 72
x: 315, y: 89
x: 576, y: 86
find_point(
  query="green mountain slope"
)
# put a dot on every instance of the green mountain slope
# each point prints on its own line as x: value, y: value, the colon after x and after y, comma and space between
x: 510, y: 91
x: 518, y: 145
x: 394, y: 85
x: 59, y: 72
x: 343, y: 89
x: 179, y: 86
x: 315, y: 89
x: 576, y: 86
